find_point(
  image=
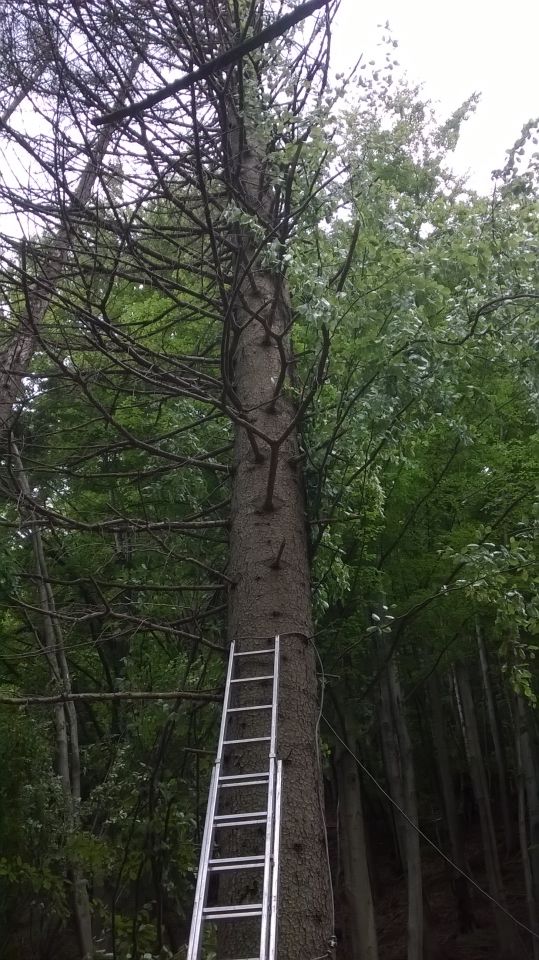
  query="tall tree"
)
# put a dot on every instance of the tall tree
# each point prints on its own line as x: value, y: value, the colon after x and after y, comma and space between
x: 268, y: 561
x: 199, y: 201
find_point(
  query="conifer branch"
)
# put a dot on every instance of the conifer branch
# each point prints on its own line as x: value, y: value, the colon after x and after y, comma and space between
x: 225, y: 59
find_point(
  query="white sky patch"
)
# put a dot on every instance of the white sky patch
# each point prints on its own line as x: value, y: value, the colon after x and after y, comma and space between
x: 455, y: 50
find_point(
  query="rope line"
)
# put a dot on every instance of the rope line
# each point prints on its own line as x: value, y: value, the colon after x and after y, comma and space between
x: 428, y: 840
x: 320, y: 788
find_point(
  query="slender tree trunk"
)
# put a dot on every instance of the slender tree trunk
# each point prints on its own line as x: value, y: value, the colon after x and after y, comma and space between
x: 530, y: 780
x: 15, y: 357
x: 509, y: 938
x: 361, y: 935
x: 460, y: 885
x: 392, y: 765
x: 17, y: 98
x: 497, y: 742
x: 67, y: 736
x: 413, y: 846
x: 269, y: 561
x: 479, y: 779
x: 400, y: 753
x: 523, y: 823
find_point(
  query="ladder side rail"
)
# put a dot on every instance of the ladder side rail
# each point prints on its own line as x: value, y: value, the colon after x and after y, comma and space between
x: 268, y: 853
x: 226, y: 701
x: 275, y: 697
x: 269, y: 843
x: 272, y: 948
x: 195, y: 937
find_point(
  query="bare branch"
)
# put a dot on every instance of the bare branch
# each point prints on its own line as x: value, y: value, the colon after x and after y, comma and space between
x: 203, y: 696
x: 225, y: 59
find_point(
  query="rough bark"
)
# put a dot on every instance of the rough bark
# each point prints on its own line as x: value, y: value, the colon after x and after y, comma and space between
x: 270, y: 569
x: 361, y: 933
x: 497, y: 742
x: 268, y: 599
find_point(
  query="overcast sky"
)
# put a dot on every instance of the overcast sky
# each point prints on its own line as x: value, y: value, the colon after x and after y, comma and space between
x: 456, y: 49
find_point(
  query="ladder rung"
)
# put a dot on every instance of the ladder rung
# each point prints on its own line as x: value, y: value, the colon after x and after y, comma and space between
x: 228, y: 743
x: 244, y: 780
x: 240, y: 819
x: 234, y: 911
x: 245, y: 783
x: 266, y: 676
x: 254, y: 653
x: 256, y: 706
x: 256, y: 822
x: 236, y: 863
x: 243, y: 776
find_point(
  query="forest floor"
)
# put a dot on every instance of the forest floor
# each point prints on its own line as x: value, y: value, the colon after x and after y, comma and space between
x: 445, y: 942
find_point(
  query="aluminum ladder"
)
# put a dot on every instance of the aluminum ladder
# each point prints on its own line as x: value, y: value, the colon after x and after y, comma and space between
x: 265, y: 911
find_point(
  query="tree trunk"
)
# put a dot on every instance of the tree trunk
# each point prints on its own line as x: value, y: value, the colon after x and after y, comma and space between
x: 269, y: 561
x: 15, y: 357
x: 67, y: 736
x: 509, y: 939
x: 361, y: 929
x: 400, y: 751
x: 530, y: 781
x: 392, y: 766
x: 22, y: 93
x: 460, y: 885
x: 523, y: 830
x: 497, y: 742
x: 413, y: 846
